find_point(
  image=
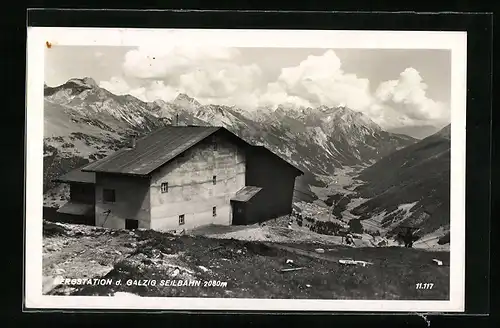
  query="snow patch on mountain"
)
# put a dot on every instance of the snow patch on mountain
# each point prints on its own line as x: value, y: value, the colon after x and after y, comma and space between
x: 407, y: 207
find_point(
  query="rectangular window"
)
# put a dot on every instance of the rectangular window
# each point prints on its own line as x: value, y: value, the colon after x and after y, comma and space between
x: 181, y: 219
x: 164, y: 187
x: 108, y: 195
x: 214, y: 143
x: 131, y: 224
x: 214, y: 179
x: 214, y: 211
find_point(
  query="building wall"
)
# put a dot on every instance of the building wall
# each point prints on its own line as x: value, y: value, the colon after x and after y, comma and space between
x: 132, y: 201
x: 191, y: 191
x: 276, y: 178
x: 257, y: 208
x: 82, y: 192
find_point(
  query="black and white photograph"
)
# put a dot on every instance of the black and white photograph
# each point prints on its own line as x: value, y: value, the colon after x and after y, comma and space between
x: 245, y: 169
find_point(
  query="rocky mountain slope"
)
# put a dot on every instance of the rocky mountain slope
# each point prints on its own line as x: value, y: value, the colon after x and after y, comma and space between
x: 84, y: 122
x: 410, y: 187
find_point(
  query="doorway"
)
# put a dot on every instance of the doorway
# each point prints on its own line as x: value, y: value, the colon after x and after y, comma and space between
x: 131, y: 224
x: 238, y: 209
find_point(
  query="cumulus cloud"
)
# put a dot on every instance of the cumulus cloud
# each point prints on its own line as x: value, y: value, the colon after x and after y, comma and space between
x: 116, y: 85
x: 408, y: 96
x: 208, y: 74
x: 155, y: 90
x: 214, y: 75
x: 319, y: 80
x: 150, y: 91
x: 163, y: 61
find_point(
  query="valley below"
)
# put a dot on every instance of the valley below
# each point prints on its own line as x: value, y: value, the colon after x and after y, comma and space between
x: 340, y: 202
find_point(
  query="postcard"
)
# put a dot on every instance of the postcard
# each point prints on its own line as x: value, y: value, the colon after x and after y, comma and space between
x: 271, y: 170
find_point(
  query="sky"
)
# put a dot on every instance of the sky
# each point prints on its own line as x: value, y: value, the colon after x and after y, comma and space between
x: 395, y: 88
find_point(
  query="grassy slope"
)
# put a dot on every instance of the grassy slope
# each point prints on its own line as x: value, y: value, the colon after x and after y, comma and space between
x: 250, y: 268
x: 418, y: 173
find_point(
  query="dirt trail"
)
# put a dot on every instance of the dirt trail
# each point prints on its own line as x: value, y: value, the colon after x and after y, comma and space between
x: 277, y: 231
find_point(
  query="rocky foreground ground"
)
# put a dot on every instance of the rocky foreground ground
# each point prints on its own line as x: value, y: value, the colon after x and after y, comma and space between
x: 150, y: 263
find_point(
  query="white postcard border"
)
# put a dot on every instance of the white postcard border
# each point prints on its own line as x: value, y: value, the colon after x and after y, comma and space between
x: 37, y: 41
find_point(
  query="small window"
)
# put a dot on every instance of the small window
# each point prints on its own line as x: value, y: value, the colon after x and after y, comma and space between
x: 214, y: 143
x: 214, y: 211
x: 214, y: 179
x: 181, y: 219
x: 164, y: 187
x: 131, y: 224
x: 108, y: 195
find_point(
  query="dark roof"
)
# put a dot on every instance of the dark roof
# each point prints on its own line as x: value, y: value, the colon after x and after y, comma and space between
x: 77, y: 176
x: 156, y: 149
x: 246, y: 193
x: 152, y: 151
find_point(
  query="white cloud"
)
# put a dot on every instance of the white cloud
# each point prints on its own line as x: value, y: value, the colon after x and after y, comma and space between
x: 214, y: 75
x: 207, y: 74
x: 163, y: 62
x: 157, y: 90
x: 320, y: 80
x: 408, y: 97
x: 116, y: 85
x: 276, y: 94
x: 148, y: 92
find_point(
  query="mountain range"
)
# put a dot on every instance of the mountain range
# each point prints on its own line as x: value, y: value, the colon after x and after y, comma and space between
x: 410, y: 187
x: 84, y: 122
x: 405, y: 180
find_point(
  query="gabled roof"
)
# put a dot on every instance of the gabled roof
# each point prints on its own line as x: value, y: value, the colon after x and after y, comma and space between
x: 157, y: 149
x: 152, y: 151
x: 77, y: 175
